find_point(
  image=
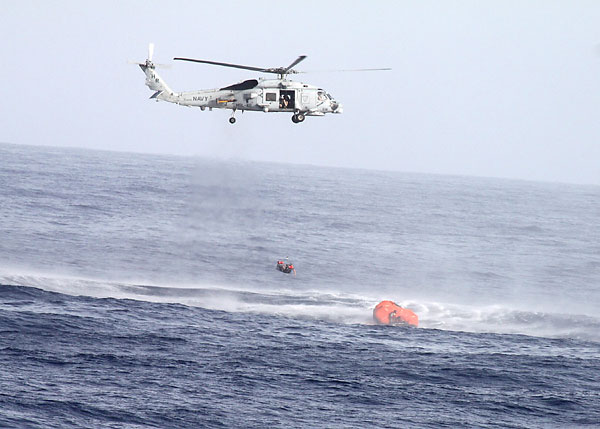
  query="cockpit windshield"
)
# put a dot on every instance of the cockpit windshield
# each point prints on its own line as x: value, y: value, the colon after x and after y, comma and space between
x: 322, y: 96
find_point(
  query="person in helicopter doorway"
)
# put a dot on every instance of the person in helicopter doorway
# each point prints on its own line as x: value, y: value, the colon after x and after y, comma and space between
x: 284, y: 102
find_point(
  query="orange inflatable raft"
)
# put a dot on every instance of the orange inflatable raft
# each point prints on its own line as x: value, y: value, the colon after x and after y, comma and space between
x: 389, y: 313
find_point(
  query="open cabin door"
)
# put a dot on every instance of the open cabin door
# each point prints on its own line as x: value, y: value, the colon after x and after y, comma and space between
x: 287, y: 100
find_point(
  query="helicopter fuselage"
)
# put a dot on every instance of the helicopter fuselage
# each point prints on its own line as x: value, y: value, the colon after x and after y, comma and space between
x: 266, y: 95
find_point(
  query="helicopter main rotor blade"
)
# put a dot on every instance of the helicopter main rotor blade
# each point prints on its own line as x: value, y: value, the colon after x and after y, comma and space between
x: 343, y: 70
x: 300, y: 58
x: 237, y: 66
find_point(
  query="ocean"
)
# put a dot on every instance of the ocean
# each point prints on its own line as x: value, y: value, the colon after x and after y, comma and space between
x: 140, y: 291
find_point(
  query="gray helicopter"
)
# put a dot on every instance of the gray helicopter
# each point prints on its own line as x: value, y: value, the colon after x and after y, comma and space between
x: 265, y: 95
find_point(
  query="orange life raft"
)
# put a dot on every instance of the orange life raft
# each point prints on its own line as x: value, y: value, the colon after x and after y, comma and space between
x: 389, y: 313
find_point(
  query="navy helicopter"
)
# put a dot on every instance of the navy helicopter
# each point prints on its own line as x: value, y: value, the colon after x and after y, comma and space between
x: 266, y: 95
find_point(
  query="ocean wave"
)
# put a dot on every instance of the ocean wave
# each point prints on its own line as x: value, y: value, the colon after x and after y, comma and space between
x: 317, y: 305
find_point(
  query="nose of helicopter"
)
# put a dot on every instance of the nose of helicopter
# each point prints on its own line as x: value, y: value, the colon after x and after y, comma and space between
x: 337, y: 107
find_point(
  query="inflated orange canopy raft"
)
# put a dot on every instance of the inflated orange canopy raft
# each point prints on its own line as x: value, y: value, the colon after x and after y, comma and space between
x: 389, y: 313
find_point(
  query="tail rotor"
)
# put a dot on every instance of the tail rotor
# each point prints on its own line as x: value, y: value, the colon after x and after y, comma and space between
x: 150, y: 51
x: 148, y: 63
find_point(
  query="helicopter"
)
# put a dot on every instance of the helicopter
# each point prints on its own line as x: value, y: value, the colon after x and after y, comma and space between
x: 265, y: 95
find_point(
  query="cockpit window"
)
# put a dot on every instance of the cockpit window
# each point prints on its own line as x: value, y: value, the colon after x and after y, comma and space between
x: 321, y: 95
x: 329, y: 96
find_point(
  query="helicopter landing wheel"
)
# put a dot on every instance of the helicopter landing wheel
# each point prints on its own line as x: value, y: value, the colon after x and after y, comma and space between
x: 300, y: 117
x: 294, y: 119
x: 232, y: 120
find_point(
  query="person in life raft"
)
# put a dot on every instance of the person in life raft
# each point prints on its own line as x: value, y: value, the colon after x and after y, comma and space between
x: 286, y: 267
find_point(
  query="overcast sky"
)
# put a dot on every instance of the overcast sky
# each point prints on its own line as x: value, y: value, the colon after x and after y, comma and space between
x: 486, y: 88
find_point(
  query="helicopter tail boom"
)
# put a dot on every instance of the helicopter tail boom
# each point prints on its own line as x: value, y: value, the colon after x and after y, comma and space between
x: 157, y: 84
x: 162, y: 91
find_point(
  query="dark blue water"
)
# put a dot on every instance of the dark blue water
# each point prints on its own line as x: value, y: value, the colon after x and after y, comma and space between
x: 141, y: 291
